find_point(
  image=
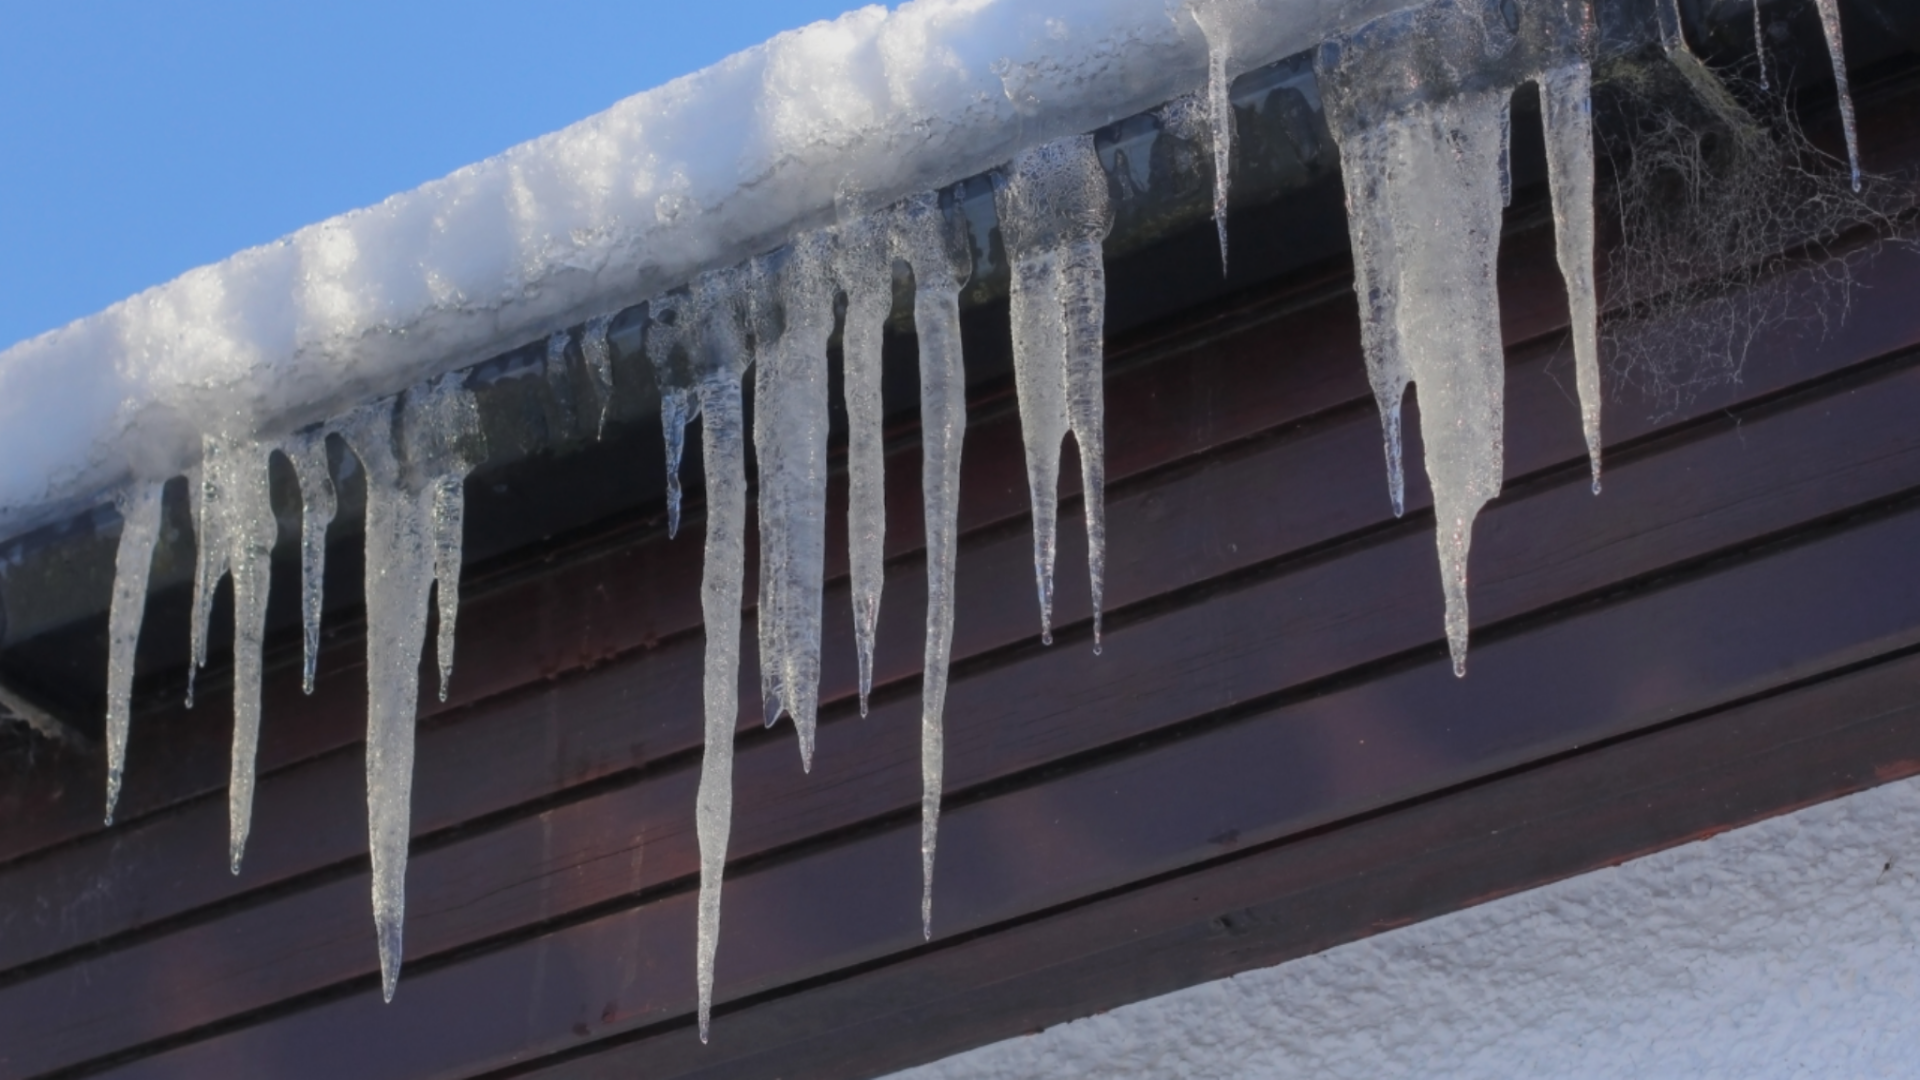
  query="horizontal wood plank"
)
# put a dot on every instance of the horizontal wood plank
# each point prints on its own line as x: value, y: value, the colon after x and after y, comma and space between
x: 1015, y: 854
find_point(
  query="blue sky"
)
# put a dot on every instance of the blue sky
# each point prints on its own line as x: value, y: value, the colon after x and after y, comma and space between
x: 141, y: 139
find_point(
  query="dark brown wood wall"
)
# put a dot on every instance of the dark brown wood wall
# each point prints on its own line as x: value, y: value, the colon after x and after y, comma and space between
x: 1270, y: 757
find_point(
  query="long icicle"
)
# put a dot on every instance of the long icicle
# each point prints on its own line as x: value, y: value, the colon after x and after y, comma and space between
x: 139, y: 506
x: 239, y: 496
x: 790, y: 444
x: 1054, y: 215
x: 1220, y: 118
x: 1566, y: 94
x: 1836, y: 50
x: 410, y: 473
x: 319, y: 502
x: 399, y: 575
x: 209, y: 566
x: 941, y: 266
x: 864, y: 268
x: 721, y: 356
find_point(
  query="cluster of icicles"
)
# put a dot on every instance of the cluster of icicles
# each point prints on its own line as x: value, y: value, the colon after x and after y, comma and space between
x: 1425, y: 168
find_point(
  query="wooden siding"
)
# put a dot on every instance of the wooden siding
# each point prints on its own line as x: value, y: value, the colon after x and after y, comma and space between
x: 1270, y: 757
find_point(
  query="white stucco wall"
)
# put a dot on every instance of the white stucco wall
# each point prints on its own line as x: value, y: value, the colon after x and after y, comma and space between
x: 1785, y: 949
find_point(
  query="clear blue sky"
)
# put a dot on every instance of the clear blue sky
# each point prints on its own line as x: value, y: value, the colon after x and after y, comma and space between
x: 141, y: 139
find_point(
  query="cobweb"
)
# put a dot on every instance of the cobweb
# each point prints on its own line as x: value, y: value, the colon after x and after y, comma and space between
x: 1728, y: 224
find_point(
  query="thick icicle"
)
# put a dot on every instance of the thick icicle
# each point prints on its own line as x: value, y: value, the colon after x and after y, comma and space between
x: 1760, y: 45
x: 1449, y: 320
x: 1054, y: 214
x: 719, y: 357
x: 139, y: 507
x: 593, y: 346
x: 1836, y: 49
x: 864, y: 267
x: 415, y: 453
x: 679, y: 404
x: 1566, y: 99
x: 318, y: 503
x: 1419, y: 102
x: 937, y: 251
x: 1220, y: 121
x: 790, y: 447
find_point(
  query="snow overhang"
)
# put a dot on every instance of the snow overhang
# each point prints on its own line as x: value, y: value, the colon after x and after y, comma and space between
x: 698, y: 173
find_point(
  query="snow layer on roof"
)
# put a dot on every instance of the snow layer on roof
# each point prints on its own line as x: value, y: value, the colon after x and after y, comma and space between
x: 700, y: 172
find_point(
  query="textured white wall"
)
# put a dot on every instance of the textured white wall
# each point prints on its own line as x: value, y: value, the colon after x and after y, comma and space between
x: 1785, y: 949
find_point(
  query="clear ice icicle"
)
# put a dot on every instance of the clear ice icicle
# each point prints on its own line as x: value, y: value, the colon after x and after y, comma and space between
x: 319, y: 501
x: 719, y: 356
x: 863, y: 265
x: 1419, y: 102
x: 414, y: 452
x: 666, y: 354
x: 1448, y: 211
x: 139, y: 506
x: 234, y: 531
x: 1566, y: 100
x: 447, y: 513
x: 593, y: 346
x: 1370, y: 227
x: 1836, y: 49
x: 790, y: 447
x: 1220, y: 120
x: 937, y: 251
x: 1054, y: 215
x: 560, y: 386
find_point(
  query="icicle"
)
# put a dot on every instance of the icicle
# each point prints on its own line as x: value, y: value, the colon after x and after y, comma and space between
x: 1448, y: 211
x: 1419, y: 102
x: 1054, y: 214
x: 139, y: 507
x: 1760, y: 45
x: 1219, y: 109
x: 593, y: 346
x: 1567, y: 106
x: 790, y: 448
x: 238, y: 502
x: 941, y: 263
x: 864, y: 268
x: 1363, y: 166
x: 666, y: 353
x: 560, y: 386
x: 318, y: 504
x: 1830, y: 22
x: 448, y: 514
x: 209, y: 566
x: 414, y: 458
x: 234, y: 531
x: 720, y: 357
